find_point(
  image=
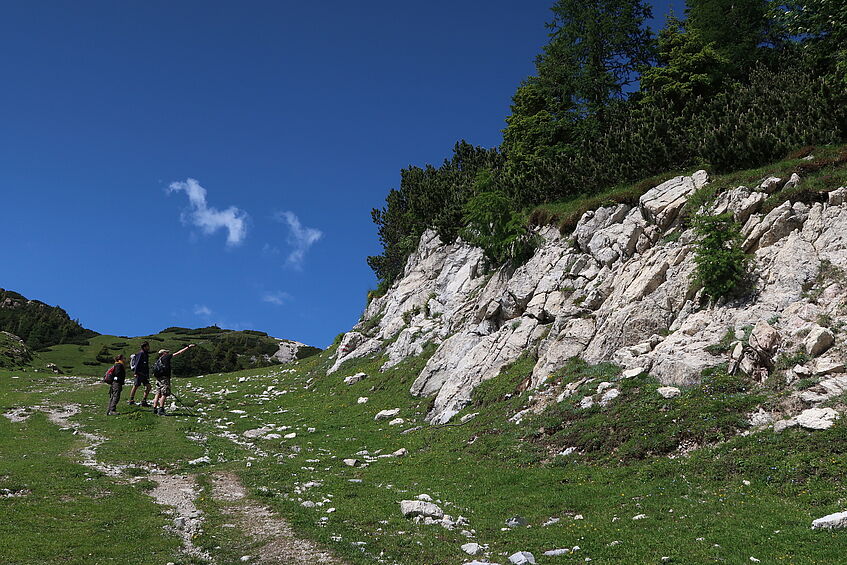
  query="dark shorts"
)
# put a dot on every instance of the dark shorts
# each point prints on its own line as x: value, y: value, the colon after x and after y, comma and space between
x: 163, y: 386
x: 141, y: 380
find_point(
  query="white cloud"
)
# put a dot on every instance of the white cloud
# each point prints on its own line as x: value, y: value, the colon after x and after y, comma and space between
x: 202, y: 310
x: 278, y: 298
x: 208, y: 219
x: 299, y: 237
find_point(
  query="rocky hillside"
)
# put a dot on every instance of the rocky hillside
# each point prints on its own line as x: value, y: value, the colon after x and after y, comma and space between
x: 13, y: 351
x: 37, y: 323
x: 619, y: 288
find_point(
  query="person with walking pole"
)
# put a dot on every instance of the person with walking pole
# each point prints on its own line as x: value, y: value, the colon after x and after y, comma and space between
x: 140, y: 365
x: 162, y: 372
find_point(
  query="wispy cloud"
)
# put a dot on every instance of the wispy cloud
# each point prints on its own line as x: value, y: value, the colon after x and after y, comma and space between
x: 269, y: 249
x: 278, y: 298
x: 209, y: 219
x: 299, y: 237
x: 202, y: 310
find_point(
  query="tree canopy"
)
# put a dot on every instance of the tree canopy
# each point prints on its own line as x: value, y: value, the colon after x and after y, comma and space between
x: 733, y: 84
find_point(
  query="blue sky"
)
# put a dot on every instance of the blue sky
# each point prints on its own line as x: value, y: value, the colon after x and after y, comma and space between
x: 190, y: 163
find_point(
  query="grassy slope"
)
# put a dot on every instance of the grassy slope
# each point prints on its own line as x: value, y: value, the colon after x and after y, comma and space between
x: 81, y: 359
x: 487, y: 470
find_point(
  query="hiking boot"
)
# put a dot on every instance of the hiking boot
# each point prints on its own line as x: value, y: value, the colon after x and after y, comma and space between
x: 130, y: 402
x: 111, y: 413
x: 155, y: 410
x: 145, y: 404
x: 161, y: 411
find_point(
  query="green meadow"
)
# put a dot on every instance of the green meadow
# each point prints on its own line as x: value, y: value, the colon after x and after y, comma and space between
x: 650, y: 479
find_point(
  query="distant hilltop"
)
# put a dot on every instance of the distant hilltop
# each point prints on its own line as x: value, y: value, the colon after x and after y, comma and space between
x: 37, y: 336
x: 38, y: 324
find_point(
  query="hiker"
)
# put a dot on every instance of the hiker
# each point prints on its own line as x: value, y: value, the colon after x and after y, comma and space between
x: 162, y: 372
x: 117, y: 384
x: 140, y: 365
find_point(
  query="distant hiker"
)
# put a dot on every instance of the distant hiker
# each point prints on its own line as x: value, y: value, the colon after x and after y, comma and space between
x: 118, y: 375
x: 162, y: 372
x: 140, y: 365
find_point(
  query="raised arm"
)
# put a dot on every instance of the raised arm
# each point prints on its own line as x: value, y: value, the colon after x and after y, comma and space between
x: 184, y: 349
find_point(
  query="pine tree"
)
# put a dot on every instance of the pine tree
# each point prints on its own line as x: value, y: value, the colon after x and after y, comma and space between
x: 822, y: 25
x: 596, y: 50
x: 735, y: 28
x: 688, y: 67
x: 594, y: 54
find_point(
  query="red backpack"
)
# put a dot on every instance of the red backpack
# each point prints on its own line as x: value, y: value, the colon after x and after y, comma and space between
x: 109, y: 377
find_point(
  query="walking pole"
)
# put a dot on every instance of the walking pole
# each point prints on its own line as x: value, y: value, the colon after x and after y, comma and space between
x: 181, y: 403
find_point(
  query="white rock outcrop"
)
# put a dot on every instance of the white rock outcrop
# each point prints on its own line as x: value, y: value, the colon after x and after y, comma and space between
x: 288, y: 350
x: 817, y: 418
x: 616, y: 289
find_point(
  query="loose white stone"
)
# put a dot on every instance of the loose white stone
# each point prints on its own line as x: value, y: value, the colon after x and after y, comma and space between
x: 818, y: 341
x: 835, y: 521
x: 632, y: 373
x: 412, y: 508
x: 668, y: 391
x: 609, y: 396
x: 522, y: 557
x: 386, y: 414
x: 472, y: 548
x: 351, y: 380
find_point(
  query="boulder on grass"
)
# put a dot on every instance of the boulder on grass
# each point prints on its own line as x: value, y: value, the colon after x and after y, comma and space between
x: 412, y: 508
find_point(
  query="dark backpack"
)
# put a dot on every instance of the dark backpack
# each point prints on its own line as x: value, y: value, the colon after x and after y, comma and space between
x: 109, y: 377
x: 158, y: 368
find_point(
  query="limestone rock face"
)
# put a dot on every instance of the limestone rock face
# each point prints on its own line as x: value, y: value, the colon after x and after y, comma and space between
x: 617, y: 289
x: 288, y: 351
x: 662, y: 204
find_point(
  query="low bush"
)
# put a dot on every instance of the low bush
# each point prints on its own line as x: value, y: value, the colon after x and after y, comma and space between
x: 721, y: 262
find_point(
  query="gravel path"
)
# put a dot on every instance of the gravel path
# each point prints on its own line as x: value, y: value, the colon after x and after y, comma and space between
x: 279, y: 543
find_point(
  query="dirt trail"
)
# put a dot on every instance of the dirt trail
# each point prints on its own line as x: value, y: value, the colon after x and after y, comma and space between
x: 278, y: 542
